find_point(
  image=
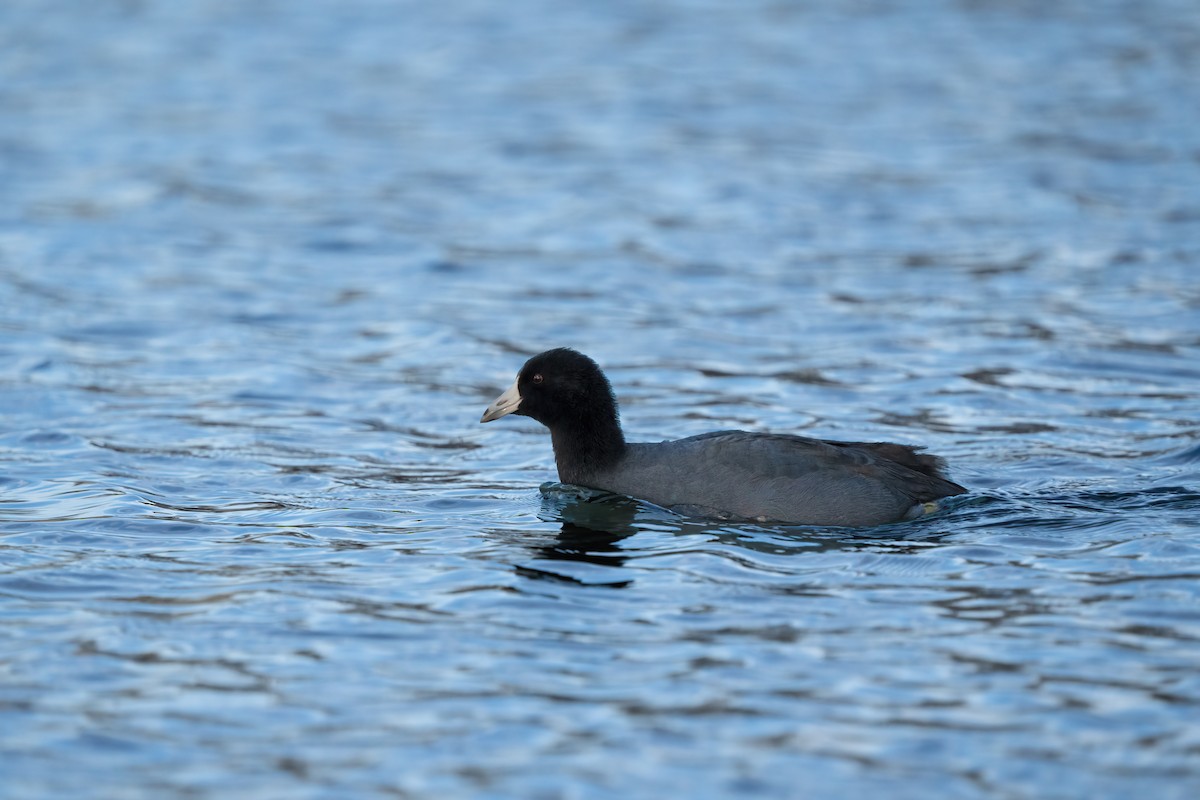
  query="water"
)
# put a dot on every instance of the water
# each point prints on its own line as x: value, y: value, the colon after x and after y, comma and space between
x: 263, y: 265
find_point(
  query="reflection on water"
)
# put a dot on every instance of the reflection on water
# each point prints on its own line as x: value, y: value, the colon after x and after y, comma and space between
x: 261, y: 266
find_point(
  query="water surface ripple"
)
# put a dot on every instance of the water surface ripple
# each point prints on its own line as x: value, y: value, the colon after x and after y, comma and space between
x: 263, y: 265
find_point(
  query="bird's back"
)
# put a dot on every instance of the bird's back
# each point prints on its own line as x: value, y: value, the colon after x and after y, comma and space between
x: 779, y: 477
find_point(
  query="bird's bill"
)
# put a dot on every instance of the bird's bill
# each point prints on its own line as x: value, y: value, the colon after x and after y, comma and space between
x: 503, y: 405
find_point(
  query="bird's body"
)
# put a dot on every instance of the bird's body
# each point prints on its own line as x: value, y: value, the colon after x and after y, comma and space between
x: 724, y: 474
x: 772, y: 477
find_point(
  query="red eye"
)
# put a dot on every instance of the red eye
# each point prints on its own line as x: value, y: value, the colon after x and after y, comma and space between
x: 537, y: 378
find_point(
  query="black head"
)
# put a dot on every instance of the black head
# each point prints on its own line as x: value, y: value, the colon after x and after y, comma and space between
x: 565, y: 391
x: 557, y: 387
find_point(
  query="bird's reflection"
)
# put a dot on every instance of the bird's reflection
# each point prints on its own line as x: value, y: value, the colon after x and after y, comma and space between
x: 592, y: 527
x: 577, y: 543
x: 593, y: 524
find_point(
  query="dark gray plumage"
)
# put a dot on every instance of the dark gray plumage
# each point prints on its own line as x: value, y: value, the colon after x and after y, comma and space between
x: 726, y: 474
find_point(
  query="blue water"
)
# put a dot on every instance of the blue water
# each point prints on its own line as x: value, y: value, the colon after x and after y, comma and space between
x: 262, y: 266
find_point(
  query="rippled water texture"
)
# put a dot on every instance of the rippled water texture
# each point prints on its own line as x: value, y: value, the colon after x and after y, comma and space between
x: 263, y: 264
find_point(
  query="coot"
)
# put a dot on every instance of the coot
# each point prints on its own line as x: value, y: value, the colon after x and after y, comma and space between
x: 723, y: 475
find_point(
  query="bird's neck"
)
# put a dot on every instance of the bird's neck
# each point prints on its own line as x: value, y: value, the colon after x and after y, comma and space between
x: 583, y: 451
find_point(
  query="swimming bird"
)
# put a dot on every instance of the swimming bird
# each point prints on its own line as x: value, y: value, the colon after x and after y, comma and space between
x: 735, y: 475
